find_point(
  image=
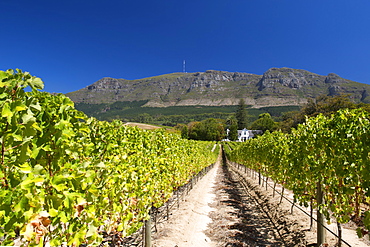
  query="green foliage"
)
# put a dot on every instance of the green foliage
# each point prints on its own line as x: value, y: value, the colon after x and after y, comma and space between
x: 144, y: 118
x: 330, y: 150
x: 207, y: 130
x: 66, y: 178
x: 170, y: 116
x: 325, y: 105
x: 232, y: 126
x: 290, y: 120
x: 183, y: 128
x: 241, y: 115
x: 278, y: 111
x: 129, y: 111
x: 233, y: 134
x: 264, y: 123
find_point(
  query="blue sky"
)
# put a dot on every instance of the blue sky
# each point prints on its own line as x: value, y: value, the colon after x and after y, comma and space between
x: 72, y: 44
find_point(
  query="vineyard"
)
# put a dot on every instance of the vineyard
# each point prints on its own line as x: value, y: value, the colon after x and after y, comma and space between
x: 68, y: 180
x: 325, y: 162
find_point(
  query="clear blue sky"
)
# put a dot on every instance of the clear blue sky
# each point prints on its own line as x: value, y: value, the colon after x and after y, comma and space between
x: 72, y: 44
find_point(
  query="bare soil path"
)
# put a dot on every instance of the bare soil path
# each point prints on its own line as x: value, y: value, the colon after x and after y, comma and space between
x: 187, y: 225
x: 220, y: 211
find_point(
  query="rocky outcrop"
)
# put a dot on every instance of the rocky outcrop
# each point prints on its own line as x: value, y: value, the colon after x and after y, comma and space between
x: 291, y: 78
x: 364, y: 96
x: 335, y: 90
x: 106, y: 83
x: 277, y: 86
x: 334, y: 79
x: 212, y: 79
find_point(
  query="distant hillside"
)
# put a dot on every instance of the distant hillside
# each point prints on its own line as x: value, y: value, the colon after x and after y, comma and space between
x: 276, y: 87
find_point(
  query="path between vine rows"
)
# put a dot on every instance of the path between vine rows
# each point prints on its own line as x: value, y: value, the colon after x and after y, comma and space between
x: 217, y: 212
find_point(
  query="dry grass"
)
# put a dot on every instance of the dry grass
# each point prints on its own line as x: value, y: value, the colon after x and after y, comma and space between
x: 143, y: 126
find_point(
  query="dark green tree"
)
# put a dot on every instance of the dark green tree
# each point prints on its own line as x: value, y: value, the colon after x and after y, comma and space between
x: 207, y: 130
x: 183, y: 129
x: 232, y: 125
x: 325, y: 105
x: 214, y: 129
x: 195, y: 131
x: 264, y: 122
x: 241, y: 114
x: 144, y: 118
x: 290, y: 120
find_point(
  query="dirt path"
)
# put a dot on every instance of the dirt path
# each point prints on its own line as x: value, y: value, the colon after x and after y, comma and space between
x: 219, y: 211
x: 187, y: 225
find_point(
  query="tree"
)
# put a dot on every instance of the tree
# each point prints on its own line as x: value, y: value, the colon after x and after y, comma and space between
x: 207, y: 130
x: 325, y: 105
x: 290, y: 120
x: 232, y: 125
x: 144, y: 118
x: 214, y: 129
x: 183, y: 128
x: 195, y: 130
x: 328, y: 105
x: 264, y: 122
x: 241, y: 114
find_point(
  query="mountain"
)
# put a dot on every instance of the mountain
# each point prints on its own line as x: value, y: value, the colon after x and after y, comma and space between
x: 276, y: 87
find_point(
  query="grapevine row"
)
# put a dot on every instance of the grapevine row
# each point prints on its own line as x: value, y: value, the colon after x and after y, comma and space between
x: 333, y: 152
x: 66, y: 179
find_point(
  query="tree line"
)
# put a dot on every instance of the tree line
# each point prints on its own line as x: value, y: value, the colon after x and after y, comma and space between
x: 218, y: 129
x: 213, y: 129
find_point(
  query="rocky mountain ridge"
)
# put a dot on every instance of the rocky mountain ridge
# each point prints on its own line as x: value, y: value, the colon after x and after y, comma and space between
x: 276, y: 87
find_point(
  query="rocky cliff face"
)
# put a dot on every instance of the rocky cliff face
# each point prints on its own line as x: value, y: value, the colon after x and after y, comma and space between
x: 277, y: 86
x: 291, y: 78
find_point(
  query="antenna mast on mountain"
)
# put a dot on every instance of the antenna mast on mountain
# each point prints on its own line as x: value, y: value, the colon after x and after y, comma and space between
x: 184, y: 67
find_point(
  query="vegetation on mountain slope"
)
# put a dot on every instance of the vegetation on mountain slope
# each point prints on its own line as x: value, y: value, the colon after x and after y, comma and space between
x: 276, y: 87
x: 168, y: 98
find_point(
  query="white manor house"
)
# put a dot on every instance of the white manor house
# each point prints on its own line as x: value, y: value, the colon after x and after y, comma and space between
x: 245, y: 134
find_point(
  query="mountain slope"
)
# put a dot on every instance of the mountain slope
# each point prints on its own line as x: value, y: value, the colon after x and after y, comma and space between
x: 276, y: 87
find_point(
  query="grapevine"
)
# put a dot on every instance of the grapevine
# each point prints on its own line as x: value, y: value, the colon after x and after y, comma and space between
x: 330, y: 151
x: 67, y: 179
